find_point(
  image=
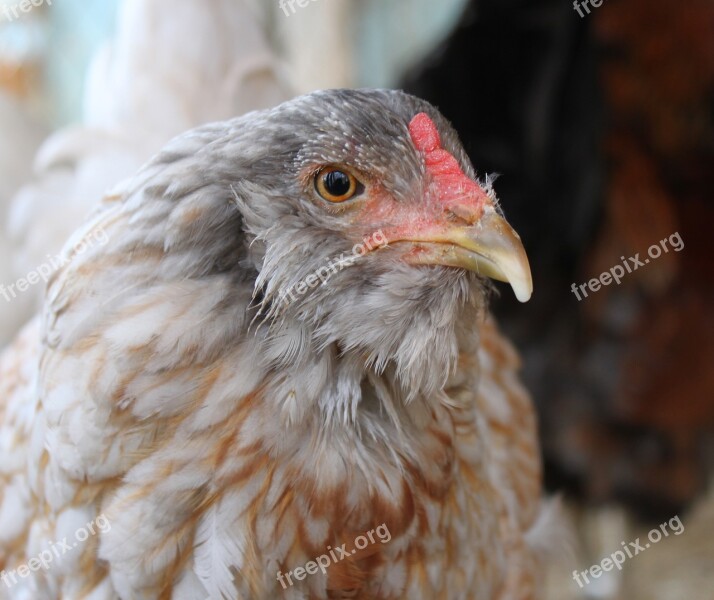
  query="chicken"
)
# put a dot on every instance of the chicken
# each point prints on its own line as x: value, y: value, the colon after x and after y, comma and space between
x: 216, y: 419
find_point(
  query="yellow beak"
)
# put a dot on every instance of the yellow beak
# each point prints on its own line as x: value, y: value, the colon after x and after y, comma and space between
x: 490, y: 248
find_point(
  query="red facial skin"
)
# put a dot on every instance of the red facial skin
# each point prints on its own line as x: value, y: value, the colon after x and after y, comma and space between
x: 451, y: 198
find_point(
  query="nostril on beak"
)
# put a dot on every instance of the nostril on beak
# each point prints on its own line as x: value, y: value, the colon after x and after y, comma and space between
x: 461, y: 213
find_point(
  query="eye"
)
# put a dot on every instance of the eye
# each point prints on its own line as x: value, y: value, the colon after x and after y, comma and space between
x: 336, y: 185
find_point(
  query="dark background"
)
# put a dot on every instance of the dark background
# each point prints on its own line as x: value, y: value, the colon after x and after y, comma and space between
x: 602, y: 129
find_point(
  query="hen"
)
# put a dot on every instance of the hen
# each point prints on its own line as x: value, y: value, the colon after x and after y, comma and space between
x: 217, y: 420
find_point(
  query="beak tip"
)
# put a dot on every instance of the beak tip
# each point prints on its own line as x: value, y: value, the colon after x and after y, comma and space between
x: 523, y: 294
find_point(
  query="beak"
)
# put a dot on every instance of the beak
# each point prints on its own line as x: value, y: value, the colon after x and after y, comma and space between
x: 490, y: 248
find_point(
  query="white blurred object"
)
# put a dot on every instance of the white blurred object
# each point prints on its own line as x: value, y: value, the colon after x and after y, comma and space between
x: 174, y: 64
x: 364, y: 43
x: 396, y: 35
x: 317, y: 42
x: 21, y: 136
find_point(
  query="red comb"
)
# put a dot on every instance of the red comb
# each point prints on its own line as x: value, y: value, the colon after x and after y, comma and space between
x: 424, y: 133
x: 450, y: 179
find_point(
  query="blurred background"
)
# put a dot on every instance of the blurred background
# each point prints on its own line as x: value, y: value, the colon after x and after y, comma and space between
x: 600, y: 122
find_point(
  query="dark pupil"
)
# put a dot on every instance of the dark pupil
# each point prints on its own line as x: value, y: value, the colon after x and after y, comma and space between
x: 337, y: 183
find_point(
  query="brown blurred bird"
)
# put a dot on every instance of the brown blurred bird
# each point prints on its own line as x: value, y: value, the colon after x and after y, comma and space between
x: 233, y: 418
